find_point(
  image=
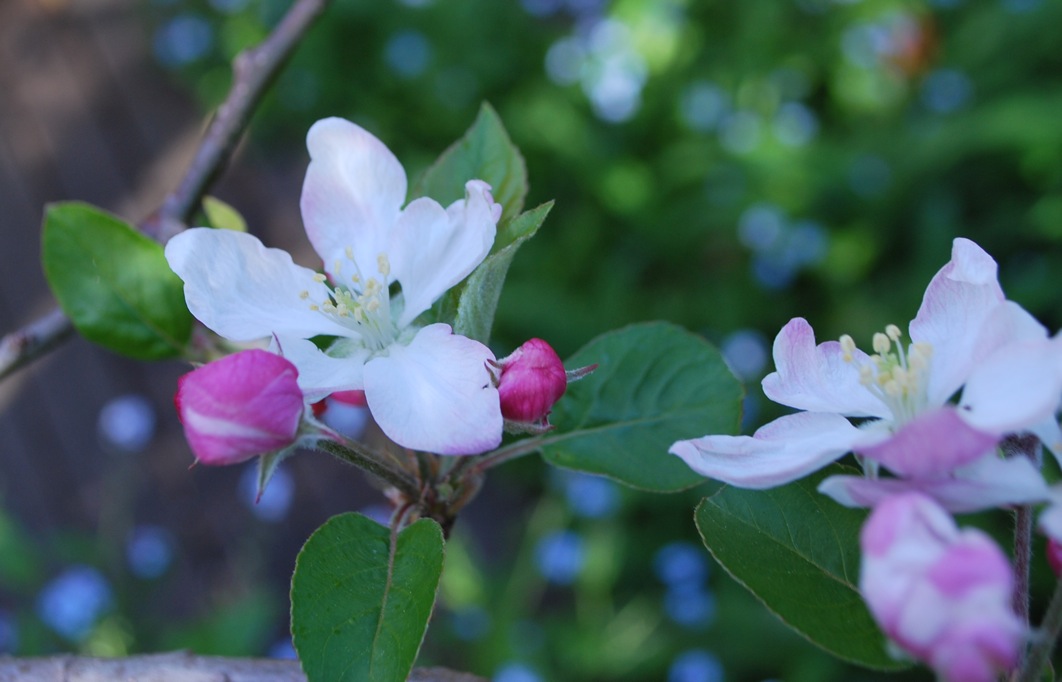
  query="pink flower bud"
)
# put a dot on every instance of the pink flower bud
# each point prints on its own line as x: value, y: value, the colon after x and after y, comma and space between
x: 1054, y: 556
x: 941, y: 593
x: 532, y: 380
x: 240, y: 406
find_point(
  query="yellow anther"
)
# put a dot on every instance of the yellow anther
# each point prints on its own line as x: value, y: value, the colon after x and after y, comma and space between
x: 304, y: 295
x: 320, y: 278
x: 328, y: 307
x: 355, y: 279
x: 373, y: 305
x: 383, y: 264
x: 900, y: 375
x: 893, y: 332
x: 892, y: 388
x: 881, y: 344
x: 350, y: 252
x: 923, y: 349
x: 866, y: 375
x: 313, y: 306
x: 848, y: 347
x: 337, y: 267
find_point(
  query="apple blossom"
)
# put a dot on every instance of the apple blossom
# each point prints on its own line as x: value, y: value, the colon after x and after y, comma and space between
x: 426, y: 387
x: 240, y: 406
x: 943, y: 595
x: 965, y: 333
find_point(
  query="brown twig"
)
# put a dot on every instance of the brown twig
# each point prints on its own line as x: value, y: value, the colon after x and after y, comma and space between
x: 253, y: 70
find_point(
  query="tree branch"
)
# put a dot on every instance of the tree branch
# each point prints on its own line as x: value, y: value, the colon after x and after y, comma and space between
x: 177, y: 667
x: 253, y: 70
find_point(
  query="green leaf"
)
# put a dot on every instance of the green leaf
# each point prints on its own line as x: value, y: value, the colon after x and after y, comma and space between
x: 360, y: 606
x: 222, y: 216
x: 477, y: 298
x: 656, y: 383
x: 485, y: 152
x: 797, y: 551
x: 114, y: 283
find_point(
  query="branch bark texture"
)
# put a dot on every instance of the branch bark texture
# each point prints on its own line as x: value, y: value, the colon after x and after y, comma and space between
x: 253, y: 71
x: 177, y: 667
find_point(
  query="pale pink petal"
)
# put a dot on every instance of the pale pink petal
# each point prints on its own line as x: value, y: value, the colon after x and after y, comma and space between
x: 940, y: 593
x: 957, y: 303
x: 782, y: 451
x: 1017, y: 387
x: 436, y: 394
x: 240, y: 406
x: 352, y: 195
x: 322, y: 374
x: 432, y: 248
x: 988, y: 483
x: 243, y: 291
x: 817, y: 378
x: 932, y: 444
x: 1051, y: 517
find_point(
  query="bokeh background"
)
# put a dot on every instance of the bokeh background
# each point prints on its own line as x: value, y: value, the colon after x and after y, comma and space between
x: 723, y: 165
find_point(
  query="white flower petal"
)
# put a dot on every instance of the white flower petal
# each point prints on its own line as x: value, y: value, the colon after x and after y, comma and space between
x: 432, y: 248
x: 321, y: 374
x: 352, y: 194
x: 436, y: 394
x: 240, y: 289
x: 957, y: 303
x: 779, y: 452
x: 1015, y: 388
x: 1050, y: 434
x: 1051, y: 517
x: 989, y: 482
x: 817, y: 378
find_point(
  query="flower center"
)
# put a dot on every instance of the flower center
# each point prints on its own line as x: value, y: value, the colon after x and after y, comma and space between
x: 362, y: 304
x: 897, y: 377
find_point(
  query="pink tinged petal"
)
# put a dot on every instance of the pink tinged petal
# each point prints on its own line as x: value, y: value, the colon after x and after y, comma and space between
x: 942, y: 594
x: 1051, y: 518
x: 435, y: 394
x: 958, y: 301
x: 1017, y: 387
x: 321, y: 374
x: 782, y: 451
x: 988, y: 483
x: 244, y: 291
x: 240, y: 406
x: 432, y: 248
x: 352, y: 194
x: 932, y: 444
x: 532, y: 380
x: 817, y: 378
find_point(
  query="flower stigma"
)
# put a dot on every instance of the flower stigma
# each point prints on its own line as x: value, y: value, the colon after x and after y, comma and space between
x: 896, y: 377
x: 363, y: 305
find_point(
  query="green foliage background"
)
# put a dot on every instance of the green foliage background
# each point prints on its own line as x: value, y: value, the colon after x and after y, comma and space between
x: 777, y: 158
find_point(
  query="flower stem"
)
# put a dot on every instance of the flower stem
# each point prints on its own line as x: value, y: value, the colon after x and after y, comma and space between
x: 1022, y: 446
x: 362, y: 457
x: 502, y: 455
x: 1045, y: 640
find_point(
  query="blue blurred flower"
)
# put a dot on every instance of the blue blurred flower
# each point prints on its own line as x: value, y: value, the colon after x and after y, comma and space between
x: 746, y: 353
x: 592, y: 497
x: 470, y: 623
x: 946, y: 90
x: 127, y: 423
x: 516, y: 672
x: 690, y: 606
x: 73, y: 601
x: 795, y: 124
x: 149, y: 551
x: 8, y: 633
x: 184, y: 39
x: 695, y: 665
x: 703, y: 105
x: 681, y: 563
x: 283, y: 649
x: 408, y: 53
x: 559, y: 556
